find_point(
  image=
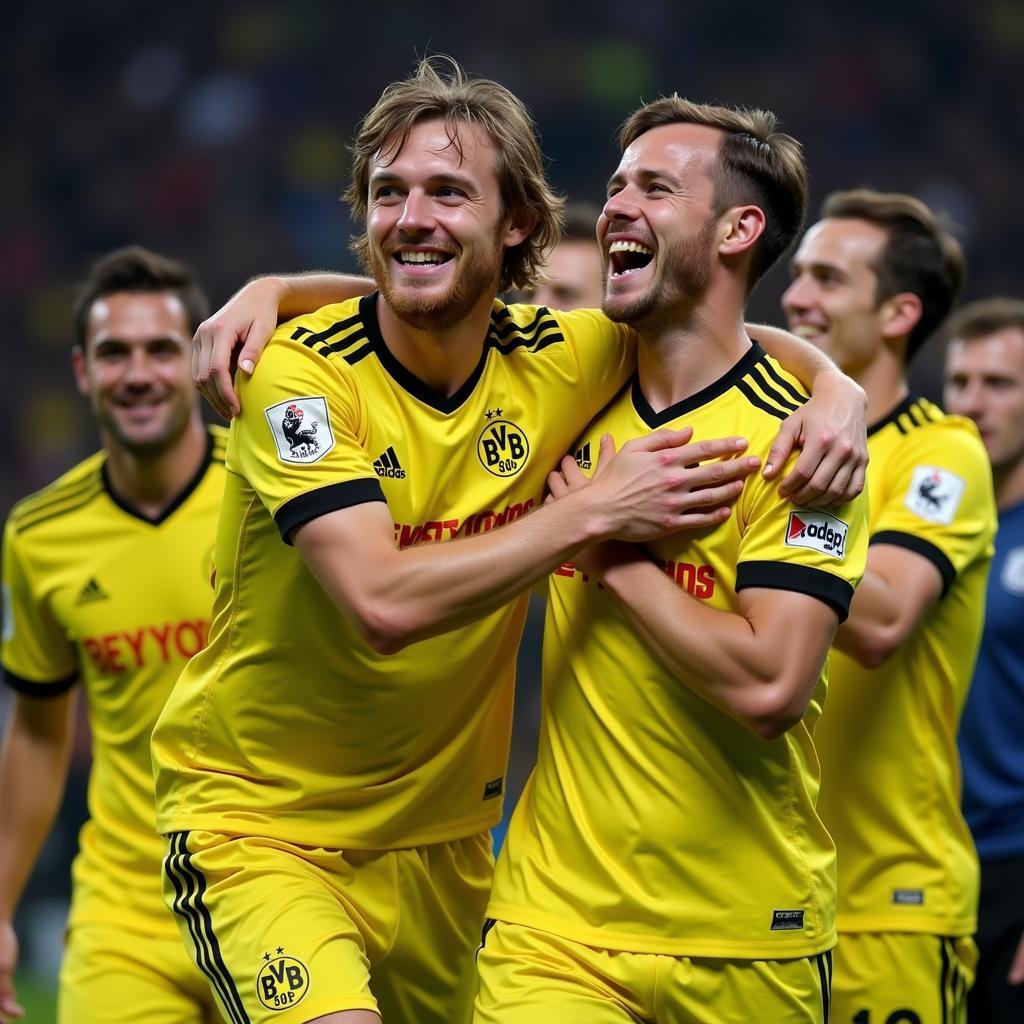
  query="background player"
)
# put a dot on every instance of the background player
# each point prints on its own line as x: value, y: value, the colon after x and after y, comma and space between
x: 985, y: 381
x: 676, y: 763
x: 871, y: 281
x: 571, y: 278
x: 106, y: 577
x: 409, y: 791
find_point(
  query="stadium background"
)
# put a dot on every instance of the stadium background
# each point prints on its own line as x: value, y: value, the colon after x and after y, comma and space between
x: 216, y: 133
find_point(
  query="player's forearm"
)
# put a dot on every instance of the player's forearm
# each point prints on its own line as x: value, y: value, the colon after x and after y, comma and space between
x: 722, y: 656
x: 429, y: 589
x: 878, y: 622
x: 802, y: 359
x: 33, y: 770
x: 296, y: 294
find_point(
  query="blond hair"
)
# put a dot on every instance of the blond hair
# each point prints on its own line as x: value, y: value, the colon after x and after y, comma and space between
x: 439, y: 90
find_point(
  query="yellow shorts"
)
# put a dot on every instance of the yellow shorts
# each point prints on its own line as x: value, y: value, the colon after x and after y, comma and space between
x: 287, y: 933
x: 111, y: 975
x: 902, y: 978
x: 529, y: 976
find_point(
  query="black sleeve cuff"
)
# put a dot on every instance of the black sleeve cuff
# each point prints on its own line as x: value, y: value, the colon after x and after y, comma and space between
x: 922, y: 547
x: 803, y: 579
x: 299, y: 511
x: 32, y: 688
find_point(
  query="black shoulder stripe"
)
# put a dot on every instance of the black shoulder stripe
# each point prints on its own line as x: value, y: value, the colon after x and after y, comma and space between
x: 533, y: 326
x: 922, y: 547
x: 335, y: 328
x: 55, y: 494
x: 33, y: 688
x: 769, y: 390
x: 360, y: 353
x: 30, y: 520
x: 754, y: 399
x: 913, y: 414
x: 795, y: 393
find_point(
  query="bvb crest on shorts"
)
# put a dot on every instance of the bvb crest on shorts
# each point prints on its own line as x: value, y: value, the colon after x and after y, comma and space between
x: 282, y: 981
x: 502, y: 447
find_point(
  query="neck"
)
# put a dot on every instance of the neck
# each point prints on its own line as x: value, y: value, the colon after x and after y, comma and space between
x: 151, y: 483
x: 443, y: 358
x: 691, y: 348
x: 883, y: 382
x: 1009, y: 484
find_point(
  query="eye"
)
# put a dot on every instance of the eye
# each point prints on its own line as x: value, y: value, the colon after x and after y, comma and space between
x: 656, y: 186
x: 384, y: 193
x: 450, y: 192
x: 614, y: 190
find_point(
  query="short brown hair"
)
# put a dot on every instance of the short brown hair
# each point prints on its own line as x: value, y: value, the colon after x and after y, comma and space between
x: 985, y: 317
x: 580, y: 222
x: 756, y: 164
x: 138, y: 270
x: 439, y: 90
x: 920, y: 256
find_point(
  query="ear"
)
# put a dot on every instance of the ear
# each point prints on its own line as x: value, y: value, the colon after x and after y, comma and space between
x: 740, y: 227
x: 78, y: 367
x: 519, y: 225
x: 899, y: 314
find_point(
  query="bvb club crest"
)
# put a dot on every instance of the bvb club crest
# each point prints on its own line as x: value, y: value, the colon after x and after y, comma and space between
x: 282, y: 981
x: 502, y: 447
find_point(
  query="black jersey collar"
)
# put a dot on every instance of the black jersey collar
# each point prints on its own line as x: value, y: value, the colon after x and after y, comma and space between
x: 893, y: 416
x: 728, y: 380
x: 182, y: 496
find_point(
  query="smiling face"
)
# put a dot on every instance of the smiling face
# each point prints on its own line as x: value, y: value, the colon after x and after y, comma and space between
x: 435, y: 226
x: 832, y: 300
x: 136, y: 371
x: 657, y: 229
x: 985, y: 381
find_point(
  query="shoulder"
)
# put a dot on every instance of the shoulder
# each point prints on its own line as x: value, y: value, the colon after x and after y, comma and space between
x: 68, y: 494
x: 924, y: 431
x: 536, y: 327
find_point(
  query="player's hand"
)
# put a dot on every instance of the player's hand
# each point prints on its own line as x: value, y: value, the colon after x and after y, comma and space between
x: 660, y: 484
x: 831, y: 431
x: 1016, y: 975
x: 9, y: 1008
x: 234, y: 337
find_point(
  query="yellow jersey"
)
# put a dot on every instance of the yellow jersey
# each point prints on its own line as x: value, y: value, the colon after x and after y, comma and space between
x: 654, y: 822
x: 890, y: 770
x: 97, y: 593
x: 288, y: 725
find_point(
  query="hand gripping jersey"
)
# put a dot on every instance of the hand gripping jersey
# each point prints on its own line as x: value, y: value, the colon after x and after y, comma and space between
x: 890, y: 792
x: 288, y: 725
x: 96, y: 593
x: 653, y: 822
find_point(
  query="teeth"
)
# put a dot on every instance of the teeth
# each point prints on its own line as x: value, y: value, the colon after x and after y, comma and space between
x: 807, y: 331
x: 421, y: 257
x: 630, y: 247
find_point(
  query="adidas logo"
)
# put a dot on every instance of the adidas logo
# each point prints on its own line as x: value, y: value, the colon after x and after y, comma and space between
x: 582, y: 457
x: 92, y: 591
x: 386, y: 464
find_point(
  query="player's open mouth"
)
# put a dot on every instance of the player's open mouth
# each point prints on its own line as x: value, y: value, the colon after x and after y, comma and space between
x: 626, y: 257
x: 807, y: 331
x: 426, y: 259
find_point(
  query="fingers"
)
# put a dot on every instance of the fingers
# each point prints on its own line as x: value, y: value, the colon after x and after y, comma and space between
x: 782, y: 447
x: 657, y: 440
x: 607, y: 454
x: 557, y: 487
x: 828, y: 476
x: 1016, y: 975
x: 571, y: 471
x: 703, y: 451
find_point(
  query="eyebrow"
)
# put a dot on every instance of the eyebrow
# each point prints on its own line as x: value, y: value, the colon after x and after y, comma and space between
x: 796, y: 267
x: 386, y: 177
x: 646, y: 175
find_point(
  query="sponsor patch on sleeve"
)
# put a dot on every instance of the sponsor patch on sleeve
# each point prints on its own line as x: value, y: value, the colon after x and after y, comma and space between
x: 934, y: 494
x: 301, y: 429
x: 820, y: 531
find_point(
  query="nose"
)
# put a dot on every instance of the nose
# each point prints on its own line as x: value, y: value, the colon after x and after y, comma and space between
x: 967, y: 400
x: 620, y: 206
x: 140, y: 371
x: 797, y: 298
x: 416, y: 214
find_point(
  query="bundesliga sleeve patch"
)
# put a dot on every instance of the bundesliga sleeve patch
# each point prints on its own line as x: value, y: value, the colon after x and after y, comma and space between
x: 818, y: 531
x: 934, y: 494
x: 301, y: 429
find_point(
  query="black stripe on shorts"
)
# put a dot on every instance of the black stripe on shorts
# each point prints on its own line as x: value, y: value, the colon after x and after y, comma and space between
x: 189, y: 887
x: 824, y: 962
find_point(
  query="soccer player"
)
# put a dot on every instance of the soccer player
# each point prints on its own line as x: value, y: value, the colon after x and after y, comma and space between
x: 666, y: 862
x: 106, y: 578
x: 328, y: 768
x: 985, y: 381
x: 572, y: 277
x: 871, y: 281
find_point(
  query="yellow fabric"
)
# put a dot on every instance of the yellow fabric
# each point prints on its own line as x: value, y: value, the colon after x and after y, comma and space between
x: 97, y: 593
x: 527, y: 976
x: 902, y: 979
x: 109, y: 976
x: 890, y: 791
x: 654, y: 822
x: 288, y: 725
x: 287, y: 933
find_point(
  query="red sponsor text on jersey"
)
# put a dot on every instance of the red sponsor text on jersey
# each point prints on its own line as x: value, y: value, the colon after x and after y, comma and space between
x: 434, y: 531
x: 132, y: 649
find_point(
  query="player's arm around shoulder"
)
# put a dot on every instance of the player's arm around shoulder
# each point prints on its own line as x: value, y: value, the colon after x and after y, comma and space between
x: 938, y: 517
